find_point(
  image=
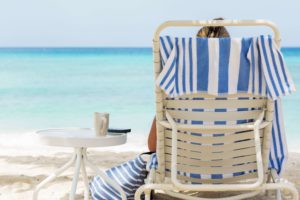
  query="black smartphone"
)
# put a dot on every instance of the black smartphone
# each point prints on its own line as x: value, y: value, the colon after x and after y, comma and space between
x: 115, y: 130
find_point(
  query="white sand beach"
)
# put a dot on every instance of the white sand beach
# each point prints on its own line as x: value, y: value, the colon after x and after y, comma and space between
x: 24, y: 164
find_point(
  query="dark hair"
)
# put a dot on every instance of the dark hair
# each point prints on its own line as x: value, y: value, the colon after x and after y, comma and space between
x: 213, y: 31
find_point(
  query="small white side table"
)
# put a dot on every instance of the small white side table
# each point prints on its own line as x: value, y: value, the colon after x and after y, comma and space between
x: 80, y: 140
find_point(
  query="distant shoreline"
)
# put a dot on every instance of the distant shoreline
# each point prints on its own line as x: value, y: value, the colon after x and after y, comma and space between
x: 104, y: 47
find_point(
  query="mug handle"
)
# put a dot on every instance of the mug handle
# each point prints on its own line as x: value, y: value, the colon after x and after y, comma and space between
x: 103, y: 125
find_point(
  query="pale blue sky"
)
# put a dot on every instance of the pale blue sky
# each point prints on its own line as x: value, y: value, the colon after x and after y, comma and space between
x: 131, y: 22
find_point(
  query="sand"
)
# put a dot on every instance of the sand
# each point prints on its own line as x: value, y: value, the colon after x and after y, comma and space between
x: 24, y: 163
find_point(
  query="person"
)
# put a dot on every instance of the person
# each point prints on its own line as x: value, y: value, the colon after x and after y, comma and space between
x: 213, y: 31
x: 204, y: 32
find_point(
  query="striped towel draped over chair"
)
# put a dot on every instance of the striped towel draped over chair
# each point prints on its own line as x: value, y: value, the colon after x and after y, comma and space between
x: 224, y: 66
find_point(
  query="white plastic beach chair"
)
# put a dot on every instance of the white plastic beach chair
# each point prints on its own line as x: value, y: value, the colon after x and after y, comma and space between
x: 208, y: 143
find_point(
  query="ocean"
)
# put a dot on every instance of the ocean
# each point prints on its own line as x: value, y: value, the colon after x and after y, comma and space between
x: 62, y: 87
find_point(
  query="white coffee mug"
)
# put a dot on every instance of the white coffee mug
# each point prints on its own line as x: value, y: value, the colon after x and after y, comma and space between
x: 101, y: 121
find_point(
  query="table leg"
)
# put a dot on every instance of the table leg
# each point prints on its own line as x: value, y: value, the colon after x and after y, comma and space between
x: 85, y: 177
x: 76, y: 173
x: 53, y: 176
x: 104, y: 176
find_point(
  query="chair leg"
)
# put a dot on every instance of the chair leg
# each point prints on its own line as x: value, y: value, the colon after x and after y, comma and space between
x: 278, y: 195
x: 148, y: 187
x: 269, y: 179
x: 283, y: 185
x: 149, y: 180
x: 139, y: 192
x: 148, y: 194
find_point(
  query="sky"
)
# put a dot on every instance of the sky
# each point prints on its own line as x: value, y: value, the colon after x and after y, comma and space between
x: 131, y: 23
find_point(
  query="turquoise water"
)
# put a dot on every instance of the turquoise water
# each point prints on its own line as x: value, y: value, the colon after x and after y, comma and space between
x: 62, y: 87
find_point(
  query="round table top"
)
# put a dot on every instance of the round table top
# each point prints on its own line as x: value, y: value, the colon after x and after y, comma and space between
x: 79, y: 137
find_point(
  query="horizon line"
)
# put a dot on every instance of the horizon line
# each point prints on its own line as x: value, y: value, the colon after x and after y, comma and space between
x: 104, y: 47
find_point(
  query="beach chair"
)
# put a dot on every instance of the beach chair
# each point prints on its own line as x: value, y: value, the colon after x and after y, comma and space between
x: 212, y: 138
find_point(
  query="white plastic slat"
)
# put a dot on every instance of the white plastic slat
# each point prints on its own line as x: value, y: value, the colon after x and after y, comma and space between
x: 215, y: 104
x: 214, y: 116
x: 210, y: 139
x: 214, y: 170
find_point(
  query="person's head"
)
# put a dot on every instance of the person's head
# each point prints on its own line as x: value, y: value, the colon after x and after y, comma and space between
x: 213, y: 31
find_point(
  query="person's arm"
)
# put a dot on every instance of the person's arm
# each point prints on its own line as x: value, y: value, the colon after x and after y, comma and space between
x: 152, y: 137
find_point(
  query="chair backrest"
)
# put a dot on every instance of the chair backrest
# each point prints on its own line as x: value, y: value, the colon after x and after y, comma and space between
x: 213, y: 155
x: 210, y: 156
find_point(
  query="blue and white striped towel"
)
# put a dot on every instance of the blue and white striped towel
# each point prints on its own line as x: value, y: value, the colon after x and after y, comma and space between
x: 222, y: 66
x: 130, y: 176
